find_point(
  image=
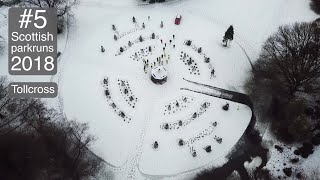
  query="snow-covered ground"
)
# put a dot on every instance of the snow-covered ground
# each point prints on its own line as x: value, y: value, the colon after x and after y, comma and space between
x: 127, y: 146
x: 84, y: 97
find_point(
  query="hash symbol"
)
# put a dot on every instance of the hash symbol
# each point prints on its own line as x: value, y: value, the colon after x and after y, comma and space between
x: 25, y: 18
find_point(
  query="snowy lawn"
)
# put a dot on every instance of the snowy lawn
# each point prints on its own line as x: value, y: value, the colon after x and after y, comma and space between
x: 132, y: 134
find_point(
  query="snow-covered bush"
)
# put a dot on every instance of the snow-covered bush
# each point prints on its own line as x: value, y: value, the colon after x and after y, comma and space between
x: 208, y: 149
x: 188, y: 43
x: 226, y: 107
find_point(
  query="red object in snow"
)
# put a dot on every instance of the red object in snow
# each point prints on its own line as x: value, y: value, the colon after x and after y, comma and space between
x: 177, y: 20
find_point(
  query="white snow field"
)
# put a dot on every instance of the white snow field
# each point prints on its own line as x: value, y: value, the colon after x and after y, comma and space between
x: 118, y: 140
x: 97, y: 87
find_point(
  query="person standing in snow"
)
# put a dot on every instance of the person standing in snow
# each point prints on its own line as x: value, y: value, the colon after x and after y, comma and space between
x: 194, y: 68
x: 143, y: 25
x: 145, y: 68
x: 134, y: 19
x: 161, y: 24
x: 189, y: 61
x: 148, y: 17
x: 140, y: 38
x: 212, y: 73
x: 102, y: 49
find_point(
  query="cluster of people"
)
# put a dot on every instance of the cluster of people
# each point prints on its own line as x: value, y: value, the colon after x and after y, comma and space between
x: 112, y: 103
x: 170, y: 41
x: 159, y: 62
x: 127, y: 93
x: 177, y: 105
x: 190, y: 62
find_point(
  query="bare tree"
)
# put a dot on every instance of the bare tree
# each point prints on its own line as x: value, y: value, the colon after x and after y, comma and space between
x: 63, y: 6
x: 53, y: 147
x: 291, y: 58
x: 13, y: 111
x: 288, y: 66
x: 315, y: 6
